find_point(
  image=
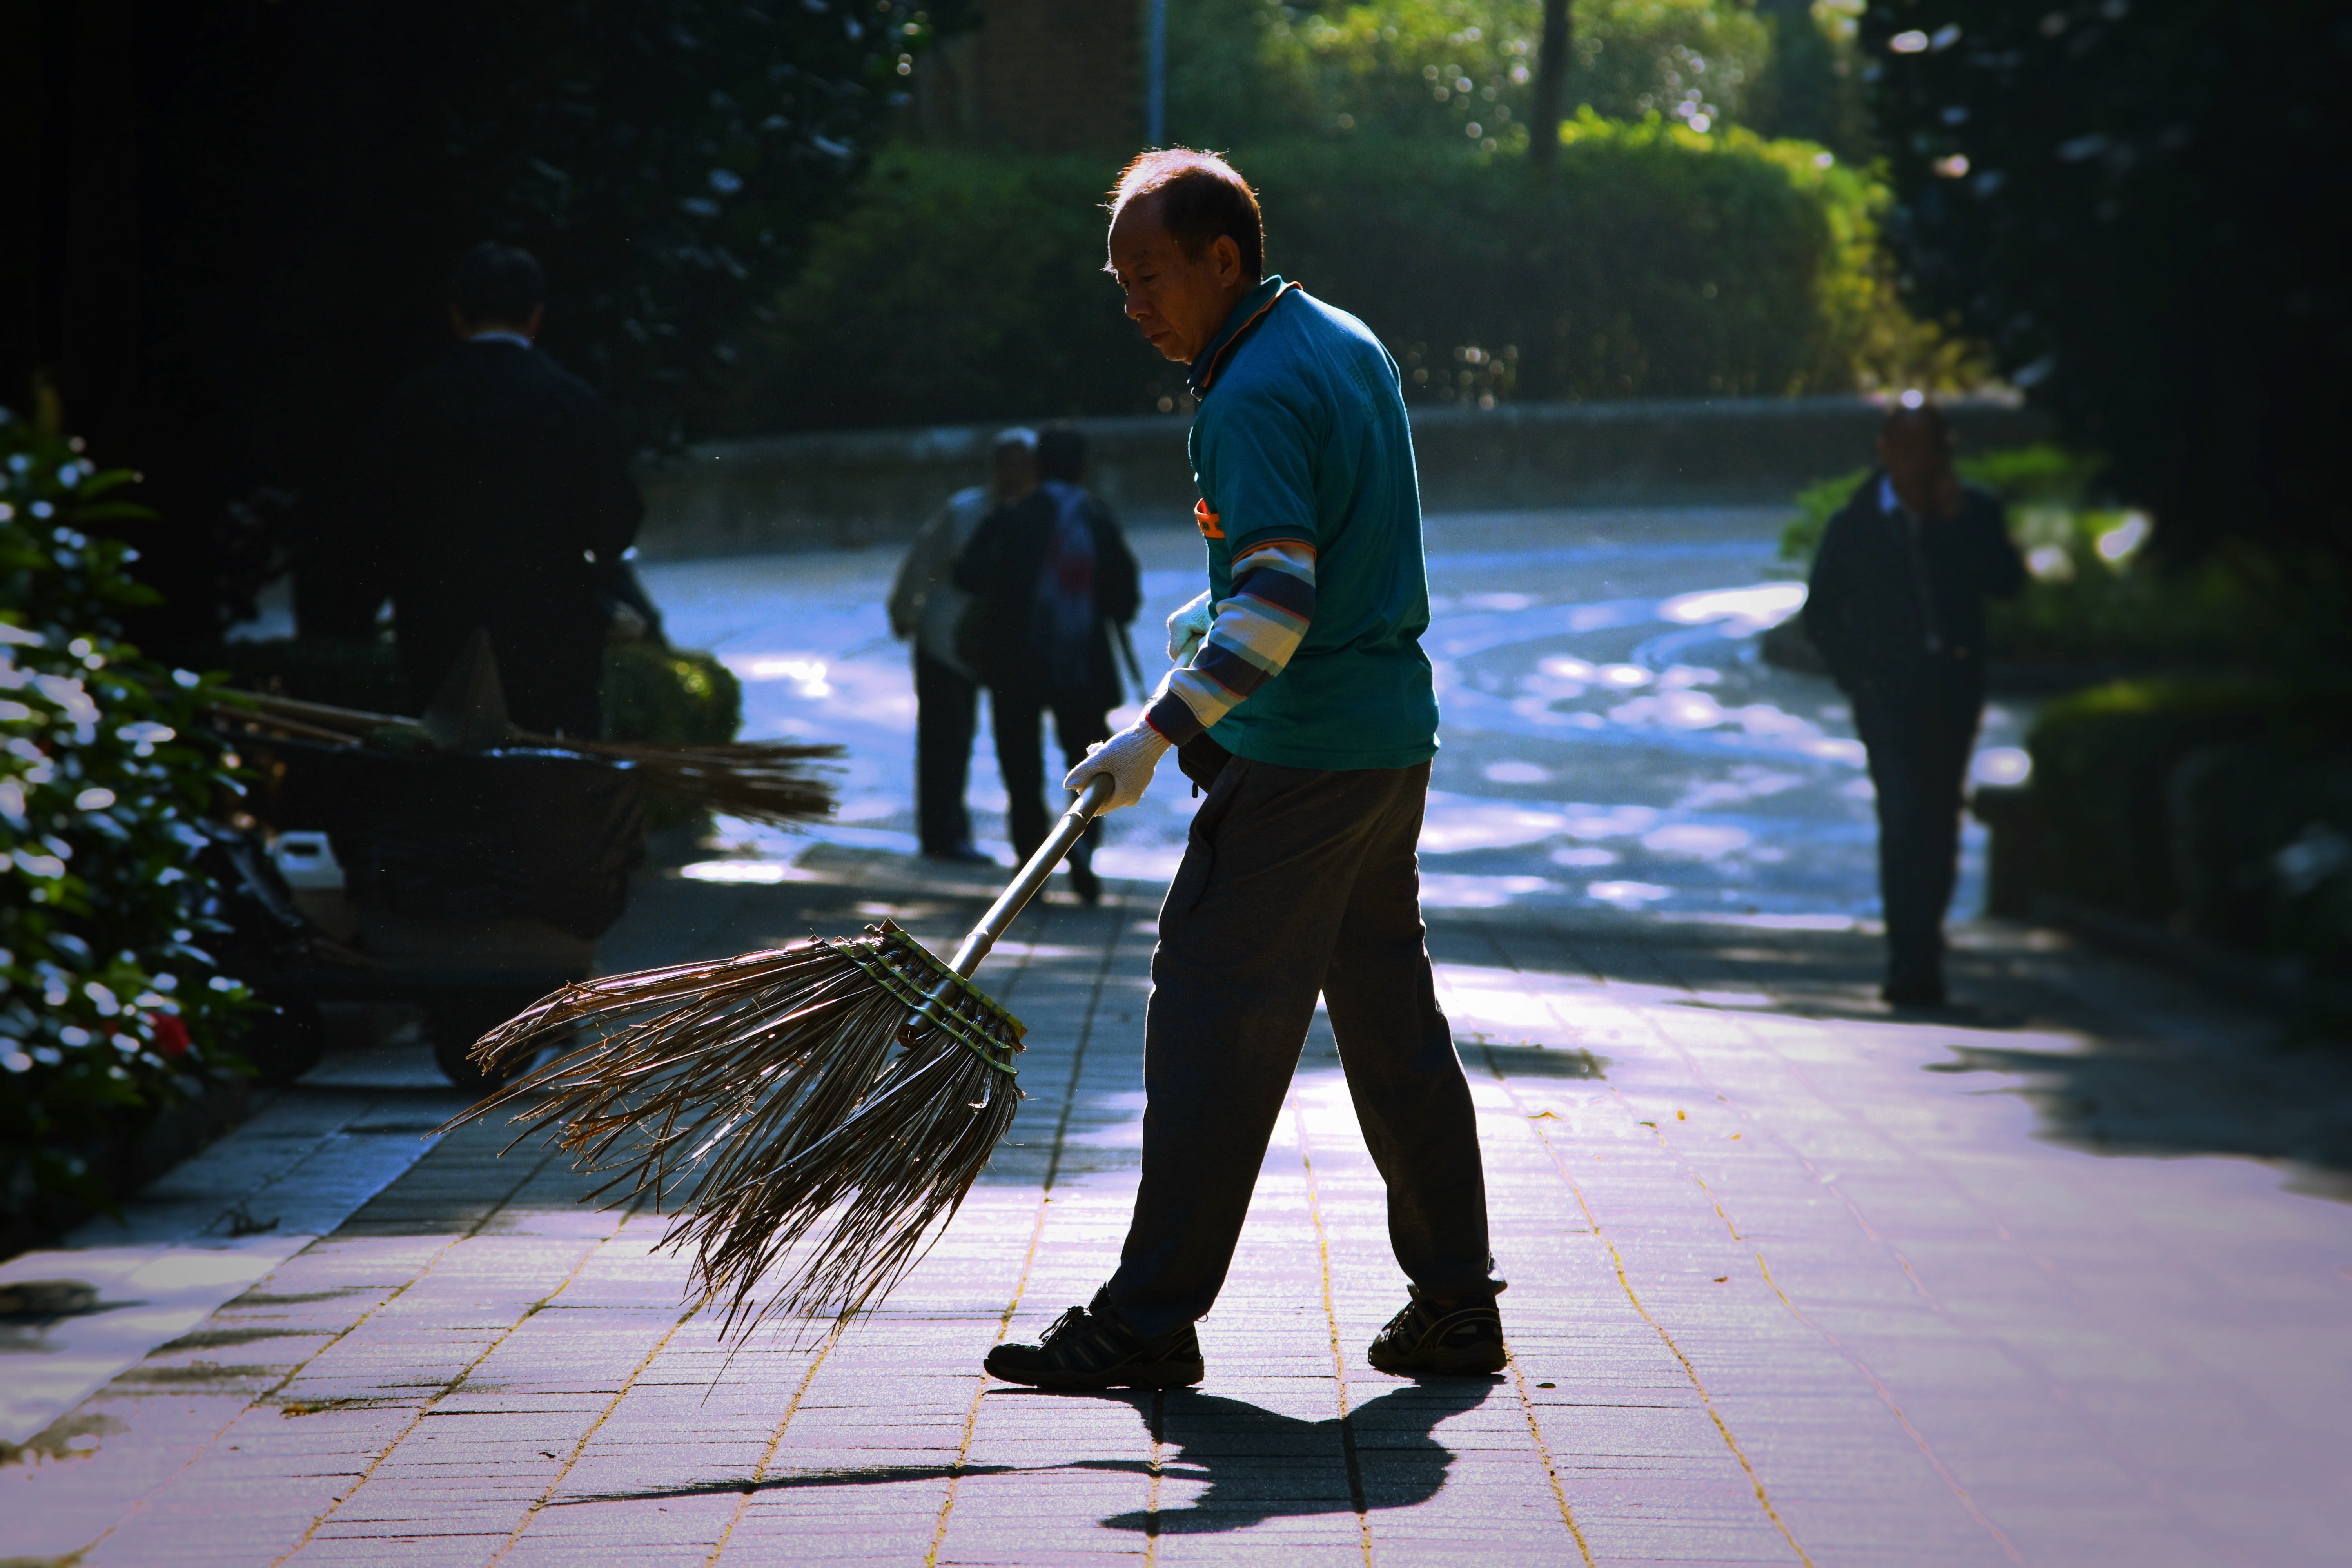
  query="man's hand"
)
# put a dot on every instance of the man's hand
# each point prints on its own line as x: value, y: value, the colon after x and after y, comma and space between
x: 1187, y: 626
x: 1128, y: 757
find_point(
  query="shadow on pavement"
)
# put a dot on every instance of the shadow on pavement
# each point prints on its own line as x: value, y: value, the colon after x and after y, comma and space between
x: 2121, y: 1098
x: 1257, y: 1464
x: 2162, y: 1067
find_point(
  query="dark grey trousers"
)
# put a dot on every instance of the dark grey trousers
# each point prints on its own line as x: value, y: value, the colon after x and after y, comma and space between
x: 1297, y: 882
x: 1919, y: 742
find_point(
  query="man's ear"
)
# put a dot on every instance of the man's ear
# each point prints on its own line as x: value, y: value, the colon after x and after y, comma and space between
x: 1229, y: 260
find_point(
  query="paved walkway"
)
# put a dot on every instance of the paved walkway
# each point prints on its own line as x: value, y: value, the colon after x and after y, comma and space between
x: 2062, y: 1278
x: 1792, y: 1280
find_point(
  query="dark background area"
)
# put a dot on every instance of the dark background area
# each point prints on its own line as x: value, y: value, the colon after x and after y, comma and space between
x: 230, y: 219
x: 233, y: 219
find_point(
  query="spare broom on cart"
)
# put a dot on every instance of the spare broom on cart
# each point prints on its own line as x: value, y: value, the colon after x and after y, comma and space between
x: 816, y: 1112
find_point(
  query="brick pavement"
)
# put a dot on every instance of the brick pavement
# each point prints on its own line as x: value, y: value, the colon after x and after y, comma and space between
x: 1793, y: 1281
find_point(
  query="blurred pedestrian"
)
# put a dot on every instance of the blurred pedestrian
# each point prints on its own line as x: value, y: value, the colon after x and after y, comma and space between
x: 1310, y: 711
x: 926, y: 607
x: 1897, y: 610
x: 498, y: 492
x: 1053, y: 584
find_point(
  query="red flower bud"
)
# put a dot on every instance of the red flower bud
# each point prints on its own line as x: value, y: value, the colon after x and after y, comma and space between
x: 171, y: 1033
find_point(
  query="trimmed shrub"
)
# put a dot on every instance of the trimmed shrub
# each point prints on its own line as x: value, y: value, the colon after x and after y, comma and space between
x: 669, y: 697
x: 1656, y: 262
x: 2118, y: 812
x: 110, y: 1008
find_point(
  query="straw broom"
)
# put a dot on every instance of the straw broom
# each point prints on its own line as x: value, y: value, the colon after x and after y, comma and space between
x: 815, y: 1112
x: 760, y: 781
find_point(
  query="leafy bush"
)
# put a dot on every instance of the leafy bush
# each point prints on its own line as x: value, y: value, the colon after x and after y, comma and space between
x: 669, y: 697
x: 1656, y: 262
x: 109, y: 1006
x: 1244, y: 70
x: 2238, y: 605
x: 2223, y: 805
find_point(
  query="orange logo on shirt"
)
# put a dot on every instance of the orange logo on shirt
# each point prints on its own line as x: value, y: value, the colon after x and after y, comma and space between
x: 1207, y: 519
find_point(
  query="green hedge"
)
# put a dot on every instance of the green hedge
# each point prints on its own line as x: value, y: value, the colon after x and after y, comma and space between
x: 1654, y: 263
x: 2171, y: 800
x: 669, y: 697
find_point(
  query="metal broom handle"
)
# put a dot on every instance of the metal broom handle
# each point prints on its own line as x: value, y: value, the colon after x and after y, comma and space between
x: 1034, y: 876
x: 1009, y: 903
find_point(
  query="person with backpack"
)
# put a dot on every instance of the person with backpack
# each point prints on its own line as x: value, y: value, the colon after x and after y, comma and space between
x: 1053, y: 587
x: 927, y: 609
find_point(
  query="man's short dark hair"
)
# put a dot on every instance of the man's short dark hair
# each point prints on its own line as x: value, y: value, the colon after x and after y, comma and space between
x: 1912, y: 412
x: 494, y: 282
x: 1197, y: 197
x: 1061, y: 453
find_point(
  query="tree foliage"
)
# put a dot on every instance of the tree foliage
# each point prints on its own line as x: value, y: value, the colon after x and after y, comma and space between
x: 1656, y: 262
x: 313, y: 166
x: 1243, y: 70
x: 2143, y: 206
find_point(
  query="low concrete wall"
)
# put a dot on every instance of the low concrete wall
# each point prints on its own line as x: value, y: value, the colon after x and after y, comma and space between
x: 852, y: 488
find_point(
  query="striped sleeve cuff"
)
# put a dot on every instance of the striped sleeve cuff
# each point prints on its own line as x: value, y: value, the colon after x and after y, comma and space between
x: 1173, y: 720
x: 1249, y: 643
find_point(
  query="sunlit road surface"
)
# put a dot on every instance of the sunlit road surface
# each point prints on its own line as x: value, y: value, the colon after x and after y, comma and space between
x: 1611, y: 737
x: 2061, y: 1278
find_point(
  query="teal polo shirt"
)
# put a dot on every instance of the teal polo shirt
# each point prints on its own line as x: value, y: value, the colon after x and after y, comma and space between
x: 1302, y: 436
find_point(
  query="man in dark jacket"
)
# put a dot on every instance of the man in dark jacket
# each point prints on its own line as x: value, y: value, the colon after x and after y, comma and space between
x: 498, y: 492
x: 1896, y: 608
x: 1053, y: 583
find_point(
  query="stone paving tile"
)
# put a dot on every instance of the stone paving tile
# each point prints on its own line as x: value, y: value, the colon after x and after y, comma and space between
x: 1777, y: 1295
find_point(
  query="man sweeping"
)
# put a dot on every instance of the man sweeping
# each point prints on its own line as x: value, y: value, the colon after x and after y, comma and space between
x: 1310, y: 705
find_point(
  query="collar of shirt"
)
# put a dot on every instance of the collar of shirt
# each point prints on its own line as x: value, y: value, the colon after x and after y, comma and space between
x: 501, y: 335
x: 1254, y: 304
x: 1889, y: 502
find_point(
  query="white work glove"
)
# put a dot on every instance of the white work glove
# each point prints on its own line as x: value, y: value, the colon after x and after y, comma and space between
x: 1127, y: 757
x: 1187, y: 626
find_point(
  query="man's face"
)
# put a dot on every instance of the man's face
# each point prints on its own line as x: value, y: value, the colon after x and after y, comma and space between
x: 1178, y: 300
x: 467, y: 327
x: 1016, y: 472
x: 1914, y: 455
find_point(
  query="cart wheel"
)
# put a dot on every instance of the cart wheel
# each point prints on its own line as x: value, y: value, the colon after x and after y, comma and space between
x: 453, y: 1026
x: 286, y: 1042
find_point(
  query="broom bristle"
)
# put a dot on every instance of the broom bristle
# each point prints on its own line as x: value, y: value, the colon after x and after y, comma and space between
x: 759, y: 781
x: 769, y: 1101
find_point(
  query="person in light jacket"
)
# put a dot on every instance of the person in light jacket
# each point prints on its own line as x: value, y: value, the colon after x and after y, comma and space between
x: 1055, y: 586
x: 926, y: 608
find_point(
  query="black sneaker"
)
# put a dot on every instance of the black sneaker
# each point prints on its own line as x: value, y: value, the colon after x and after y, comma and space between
x: 1085, y: 883
x: 1914, y: 991
x: 1428, y: 1341
x: 1087, y: 1347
